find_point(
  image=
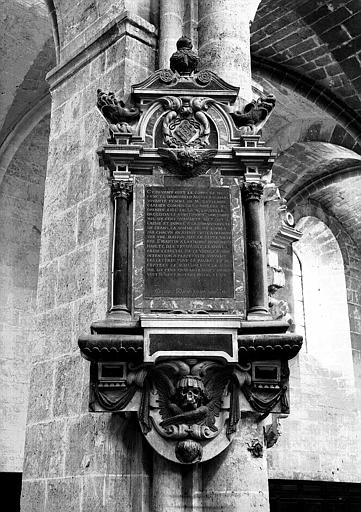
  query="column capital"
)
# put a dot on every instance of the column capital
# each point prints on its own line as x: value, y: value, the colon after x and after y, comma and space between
x: 253, y: 191
x: 122, y: 189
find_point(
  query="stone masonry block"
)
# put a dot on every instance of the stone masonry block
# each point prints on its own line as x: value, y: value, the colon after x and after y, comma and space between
x: 41, y: 386
x: 94, y: 125
x: 58, y: 236
x: 63, y: 495
x: 102, y: 263
x: 76, y: 274
x: 96, y: 441
x: 47, y: 283
x: 89, y: 309
x: 94, y: 217
x: 105, y: 494
x: 45, y: 449
x: 33, y: 495
x: 68, y: 379
x: 64, y: 148
x: 54, y: 333
x: 79, y: 184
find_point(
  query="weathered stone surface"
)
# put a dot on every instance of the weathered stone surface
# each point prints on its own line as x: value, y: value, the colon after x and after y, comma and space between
x: 47, y: 285
x: 59, y: 236
x: 68, y: 380
x: 63, y: 493
x: 76, y: 272
x: 102, y: 440
x: 41, y: 399
x: 105, y: 494
x: 33, y: 495
x: 54, y: 333
x: 94, y: 217
x: 45, y: 450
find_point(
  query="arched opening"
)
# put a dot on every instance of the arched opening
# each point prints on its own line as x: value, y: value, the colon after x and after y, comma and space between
x: 326, y: 326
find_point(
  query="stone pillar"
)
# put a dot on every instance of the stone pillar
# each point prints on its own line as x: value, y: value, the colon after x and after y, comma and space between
x: 122, y: 193
x: 76, y: 460
x: 237, y: 480
x: 255, y: 251
x: 170, y: 29
x: 224, y: 40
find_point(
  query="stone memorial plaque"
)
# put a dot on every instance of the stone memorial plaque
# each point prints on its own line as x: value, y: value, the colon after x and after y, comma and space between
x: 188, y: 242
x: 190, y: 342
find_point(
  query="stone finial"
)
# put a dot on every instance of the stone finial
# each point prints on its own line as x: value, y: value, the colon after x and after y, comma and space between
x: 184, y: 61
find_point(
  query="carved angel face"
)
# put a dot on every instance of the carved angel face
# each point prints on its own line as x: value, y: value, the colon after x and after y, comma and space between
x: 188, y: 158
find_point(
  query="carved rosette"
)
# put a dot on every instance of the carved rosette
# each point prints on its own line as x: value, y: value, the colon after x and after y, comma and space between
x: 122, y: 189
x: 252, y: 191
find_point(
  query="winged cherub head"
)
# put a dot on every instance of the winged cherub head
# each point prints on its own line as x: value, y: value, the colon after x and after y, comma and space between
x: 190, y: 393
x: 188, y: 158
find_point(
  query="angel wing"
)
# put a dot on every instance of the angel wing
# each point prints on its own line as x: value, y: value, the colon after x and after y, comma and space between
x: 161, y: 376
x: 170, y: 160
x: 206, y: 158
x: 215, y: 382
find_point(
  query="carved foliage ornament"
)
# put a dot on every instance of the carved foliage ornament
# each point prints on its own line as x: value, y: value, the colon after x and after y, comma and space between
x: 122, y: 189
x: 253, y: 191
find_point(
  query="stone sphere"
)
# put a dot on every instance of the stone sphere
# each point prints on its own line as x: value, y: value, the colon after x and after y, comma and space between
x: 188, y: 451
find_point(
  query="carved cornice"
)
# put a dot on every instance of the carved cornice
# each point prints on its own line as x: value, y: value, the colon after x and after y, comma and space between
x: 251, y: 346
x: 116, y: 347
x: 252, y: 191
x: 122, y: 189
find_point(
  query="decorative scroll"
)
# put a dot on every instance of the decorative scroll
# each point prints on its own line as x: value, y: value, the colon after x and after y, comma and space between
x: 115, y: 112
x: 254, y: 115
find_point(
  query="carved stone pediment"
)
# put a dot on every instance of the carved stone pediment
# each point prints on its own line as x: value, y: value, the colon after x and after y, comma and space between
x: 166, y: 82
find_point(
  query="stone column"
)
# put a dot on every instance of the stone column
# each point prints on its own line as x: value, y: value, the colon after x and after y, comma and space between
x: 170, y: 29
x: 237, y: 480
x: 122, y: 192
x: 255, y: 251
x: 224, y: 40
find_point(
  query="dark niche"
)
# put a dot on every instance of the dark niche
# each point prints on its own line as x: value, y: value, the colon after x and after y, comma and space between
x: 188, y: 242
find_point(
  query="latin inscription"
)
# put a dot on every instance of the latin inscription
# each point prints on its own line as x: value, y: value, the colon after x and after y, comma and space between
x: 188, y: 242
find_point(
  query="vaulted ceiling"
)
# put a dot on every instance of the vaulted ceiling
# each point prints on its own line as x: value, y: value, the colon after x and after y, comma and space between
x: 306, y: 52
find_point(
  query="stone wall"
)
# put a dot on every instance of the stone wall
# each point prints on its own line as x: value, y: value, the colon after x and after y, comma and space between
x: 76, y: 460
x: 21, y: 204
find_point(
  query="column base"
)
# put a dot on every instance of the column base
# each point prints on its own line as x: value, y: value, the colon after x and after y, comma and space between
x: 259, y: 313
